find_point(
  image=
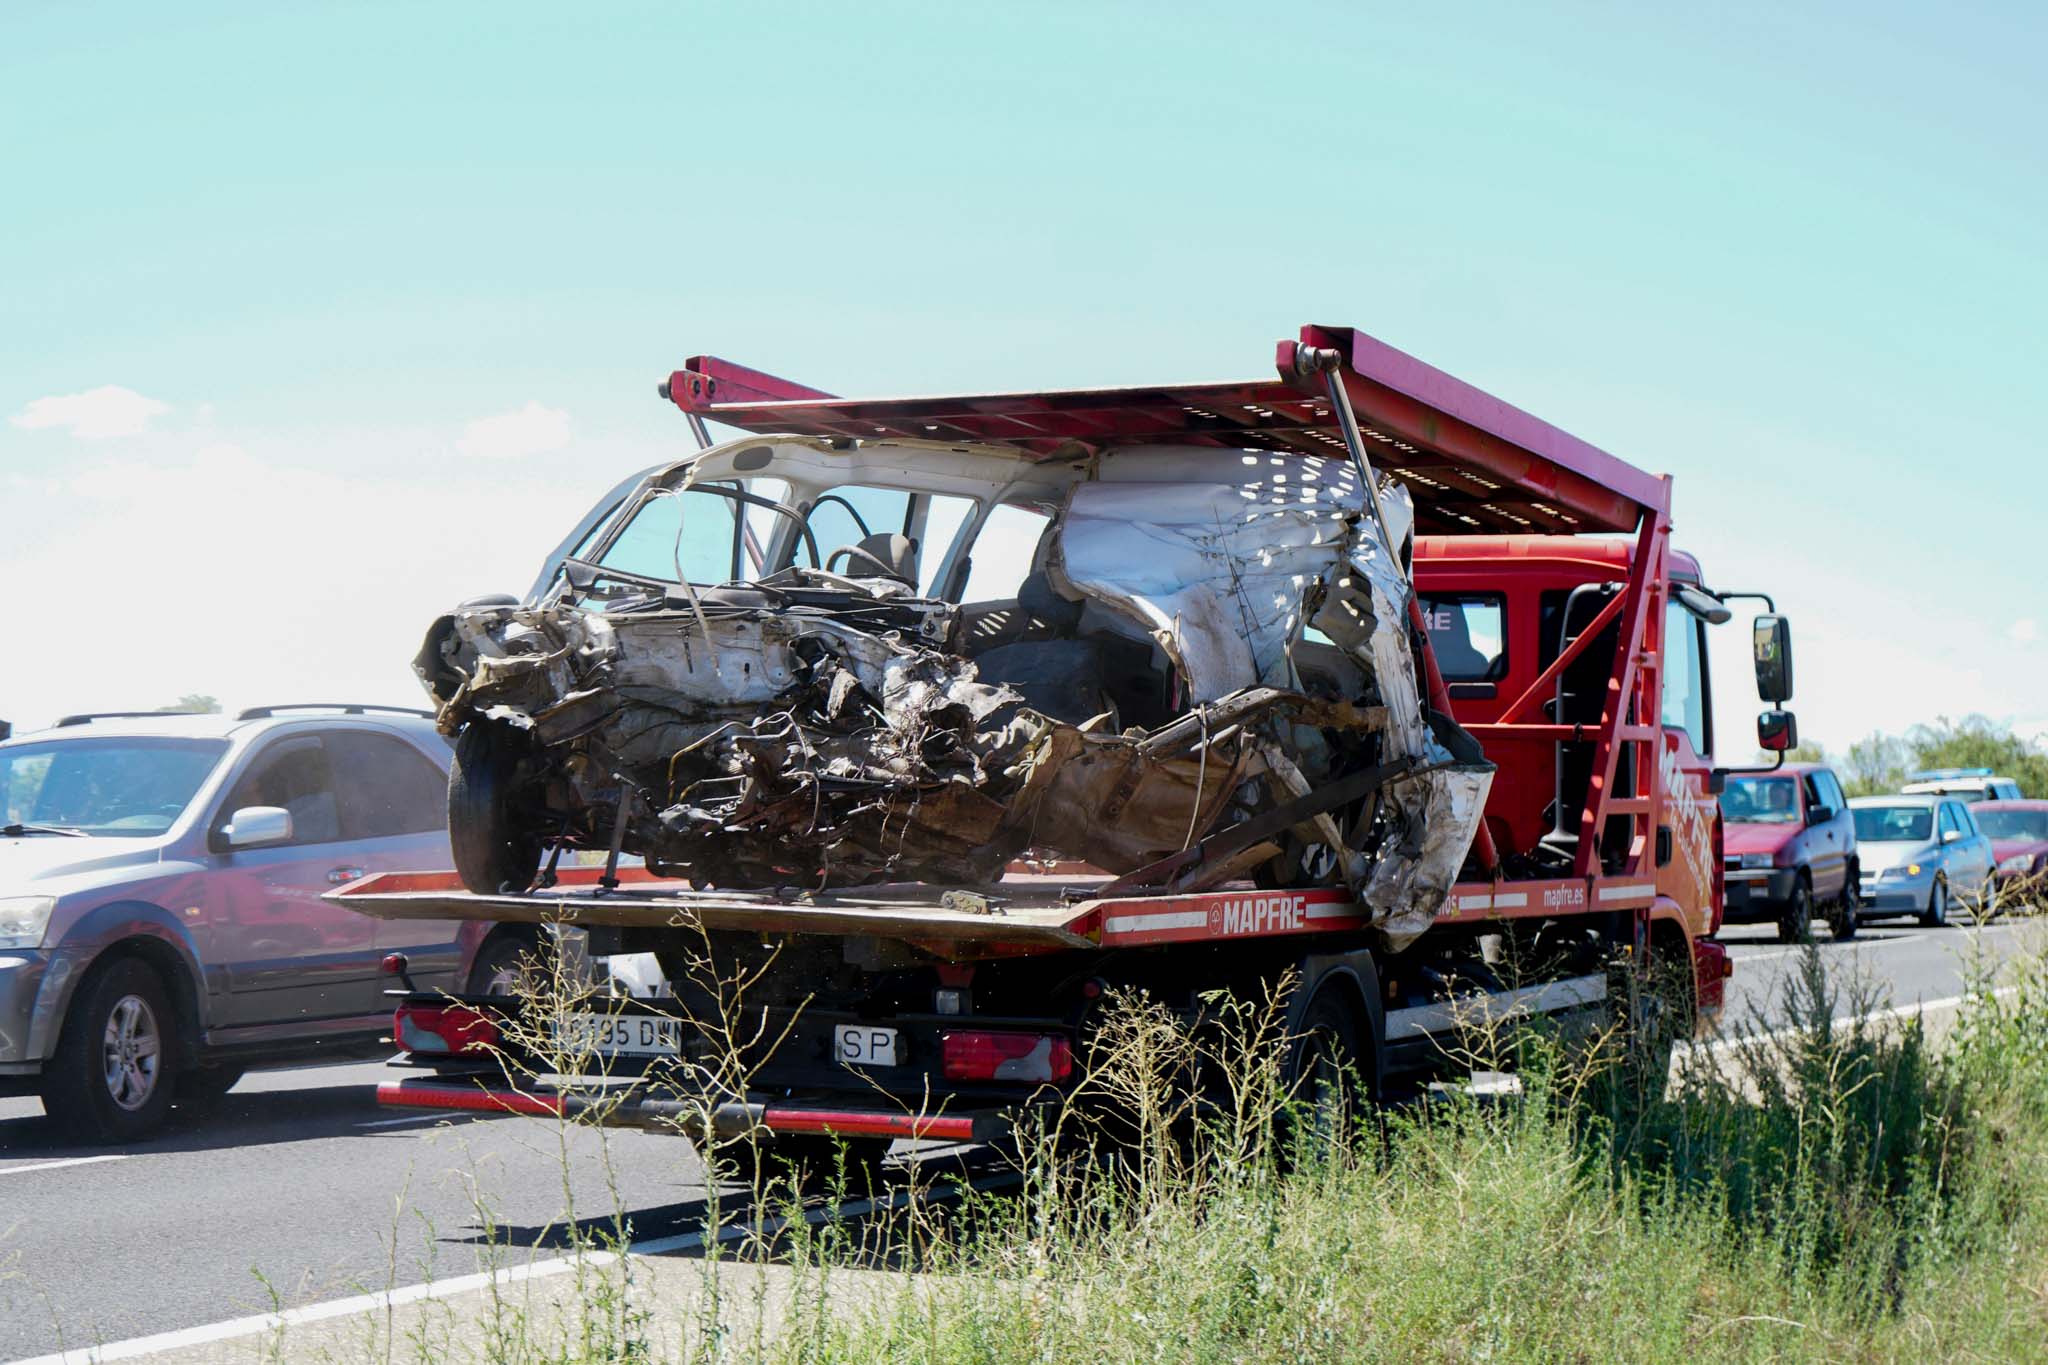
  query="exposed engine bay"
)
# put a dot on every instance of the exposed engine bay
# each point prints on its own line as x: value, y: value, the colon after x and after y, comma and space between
x: 1204, y: 671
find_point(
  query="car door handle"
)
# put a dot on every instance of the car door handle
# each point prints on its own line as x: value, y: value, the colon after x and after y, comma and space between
x: 342, y: 876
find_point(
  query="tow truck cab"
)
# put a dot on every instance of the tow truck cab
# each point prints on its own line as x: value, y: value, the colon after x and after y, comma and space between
x: 1500, y: 611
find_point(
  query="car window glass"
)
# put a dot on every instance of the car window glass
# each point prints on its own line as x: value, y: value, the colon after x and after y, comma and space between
x: 1467, y: 634
x: 1811, y: 786
x: 1002, y: 554
x: 1892, y: 824
x: 123, y: 787
x: 695, y: 530
x: 292, y: 773
x: 1836, y: 797
x: 943, y: 518
x: 849, y: 514
x: 1966, y: 822
x: 1948, y: 817
x: 383, y: 786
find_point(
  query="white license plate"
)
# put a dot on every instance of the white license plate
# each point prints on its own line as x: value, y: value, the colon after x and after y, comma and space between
x: 864, y: 1045
x: 620, y: 1035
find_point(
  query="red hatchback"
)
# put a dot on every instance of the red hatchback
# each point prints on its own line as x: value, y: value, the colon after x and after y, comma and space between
x: 1789, y: 846
x: 2018, y: 831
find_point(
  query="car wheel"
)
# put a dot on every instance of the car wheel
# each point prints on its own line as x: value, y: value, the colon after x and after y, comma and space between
x: 111, y: 1077
x: 1846, y: 916
x: 490, y: 825
x: 1795, y: 921
x: 1325, y: 1080
x: 1935, y: 916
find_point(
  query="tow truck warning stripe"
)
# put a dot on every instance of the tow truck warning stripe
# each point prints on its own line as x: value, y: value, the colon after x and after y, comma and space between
x: 1498, y: 900
x: 1634, y: 891
x: 1172, y: 919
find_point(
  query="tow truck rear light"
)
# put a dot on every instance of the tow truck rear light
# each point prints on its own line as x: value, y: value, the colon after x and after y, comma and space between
x: 981, y: 1055
x: 443, y: 1029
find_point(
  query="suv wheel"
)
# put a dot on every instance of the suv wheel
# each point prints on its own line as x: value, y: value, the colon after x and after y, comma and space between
x: 1795, y: 921
x: 1845, y: 916
x: 111, y: 1077
x: 1935, y: 916
x: 489, y: 828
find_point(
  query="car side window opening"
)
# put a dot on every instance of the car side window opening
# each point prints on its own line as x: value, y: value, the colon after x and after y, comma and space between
x: 384, y: 787
x: 1836, y: 797
x: 1811, y: 786
x: 1468, y: 634
x: 1004, y: 554
x: 1948, y: 823
x: 293, y: 774
x: 1685, y: 689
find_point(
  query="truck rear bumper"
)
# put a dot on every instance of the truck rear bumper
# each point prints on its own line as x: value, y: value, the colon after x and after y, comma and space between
x: 627, y: 1107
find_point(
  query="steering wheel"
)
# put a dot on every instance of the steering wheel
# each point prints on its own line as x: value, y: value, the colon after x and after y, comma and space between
x: 887, y: 569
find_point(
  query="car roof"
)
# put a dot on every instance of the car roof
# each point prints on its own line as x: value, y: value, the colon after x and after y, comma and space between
x: 220, y: 725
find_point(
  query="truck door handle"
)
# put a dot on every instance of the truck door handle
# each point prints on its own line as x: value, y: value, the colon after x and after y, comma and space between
x: 342, y: 876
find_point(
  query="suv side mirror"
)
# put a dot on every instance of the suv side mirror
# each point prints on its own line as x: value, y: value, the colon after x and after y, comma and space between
x: 1771, y: 643
x: 258, y: 827
x: 1777, y: 731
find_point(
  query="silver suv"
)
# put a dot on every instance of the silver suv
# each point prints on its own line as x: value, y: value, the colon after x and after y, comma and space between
x: 161, y: 920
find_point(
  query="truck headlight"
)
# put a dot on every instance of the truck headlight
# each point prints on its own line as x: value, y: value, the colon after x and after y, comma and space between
x: 24, y: 920
x: 1752, y: 862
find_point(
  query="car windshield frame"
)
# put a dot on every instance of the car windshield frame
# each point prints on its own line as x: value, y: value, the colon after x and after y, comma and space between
x: 1875, y: 813
x: 604, y: 540
x: 161, y: 797
x: 1755, y: 815
x: 1991, y: 814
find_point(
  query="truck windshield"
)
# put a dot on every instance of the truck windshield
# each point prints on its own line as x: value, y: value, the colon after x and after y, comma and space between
x: 1760, y: 801
x: 128, y: 788
x: 2003, y: 822
x: 1893, y: 824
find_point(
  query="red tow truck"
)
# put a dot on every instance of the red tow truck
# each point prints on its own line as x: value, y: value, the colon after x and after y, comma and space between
x: 1551, y: 630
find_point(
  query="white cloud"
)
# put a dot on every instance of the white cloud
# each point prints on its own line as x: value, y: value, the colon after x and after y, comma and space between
x: 108, y: 410
x: 512, y: 435
x: 2024, y: 631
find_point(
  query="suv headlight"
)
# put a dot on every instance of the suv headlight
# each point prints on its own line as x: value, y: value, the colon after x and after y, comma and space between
x: 1752, y: 862
x: 24, y: 920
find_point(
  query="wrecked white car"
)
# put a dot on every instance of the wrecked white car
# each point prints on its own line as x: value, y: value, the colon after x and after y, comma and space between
x: 807, y: 661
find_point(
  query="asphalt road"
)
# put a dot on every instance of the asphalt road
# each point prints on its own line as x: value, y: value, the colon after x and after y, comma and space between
x: 297, y: 1189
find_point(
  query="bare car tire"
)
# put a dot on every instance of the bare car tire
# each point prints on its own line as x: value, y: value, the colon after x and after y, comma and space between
x: 111, y: 1078
x: 489, y: 831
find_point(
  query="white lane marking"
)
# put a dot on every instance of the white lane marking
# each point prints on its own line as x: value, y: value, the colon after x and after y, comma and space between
x: 60, y: 1165
x: 1852, y: 945
x: 1946, y: 1002
x: 414, y: 1118
x: 1177, y: 919
x: 440, y: 1289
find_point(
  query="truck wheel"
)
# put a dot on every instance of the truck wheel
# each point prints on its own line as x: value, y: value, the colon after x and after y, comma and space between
x: 490, y: 829
x: 1324, y: 1078
x: 1795, y: 921
x: 1935, y: 916
x: 111, y: 1077
x: 509, y: 963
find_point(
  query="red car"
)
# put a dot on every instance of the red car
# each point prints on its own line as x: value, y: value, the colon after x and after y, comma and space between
x: 2019, y: 839
x: 1789, y: 846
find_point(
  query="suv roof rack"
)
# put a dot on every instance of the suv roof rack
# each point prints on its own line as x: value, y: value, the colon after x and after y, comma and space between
x: 347, y: 708
x: 87, y: 717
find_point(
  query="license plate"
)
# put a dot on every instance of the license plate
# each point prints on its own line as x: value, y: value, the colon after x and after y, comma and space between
x: 620, y: 1035
x: 863, y: 1045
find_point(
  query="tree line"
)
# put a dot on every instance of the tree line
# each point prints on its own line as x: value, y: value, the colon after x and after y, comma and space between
x: 1882, y: 763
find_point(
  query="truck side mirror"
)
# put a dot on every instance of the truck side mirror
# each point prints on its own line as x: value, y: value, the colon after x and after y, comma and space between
x: 1771, y: 641
x: 1776, y: 732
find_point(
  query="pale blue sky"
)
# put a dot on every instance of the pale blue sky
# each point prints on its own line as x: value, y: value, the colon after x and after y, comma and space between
x: 1793, y: 259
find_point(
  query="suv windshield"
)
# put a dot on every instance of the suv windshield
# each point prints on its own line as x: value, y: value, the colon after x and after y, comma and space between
x: 1760, y: 801
x: 131, y: 788
x: 1893, y: 824
x: 2003, y: 822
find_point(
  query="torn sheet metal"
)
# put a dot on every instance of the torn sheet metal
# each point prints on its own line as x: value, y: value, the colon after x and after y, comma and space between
x: 813, y: 729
